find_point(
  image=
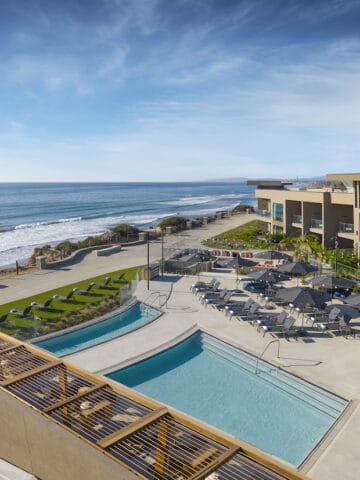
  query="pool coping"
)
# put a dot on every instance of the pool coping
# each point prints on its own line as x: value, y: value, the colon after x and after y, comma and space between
x: 94, y: 321
x: 152, y: 352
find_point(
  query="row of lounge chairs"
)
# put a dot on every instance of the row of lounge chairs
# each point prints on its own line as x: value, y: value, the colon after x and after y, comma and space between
x: 63, y: 298
x: 283, y: 323
x: 244, y: 310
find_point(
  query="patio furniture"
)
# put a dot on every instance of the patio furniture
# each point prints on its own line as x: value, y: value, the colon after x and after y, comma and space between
x: 286, y: 329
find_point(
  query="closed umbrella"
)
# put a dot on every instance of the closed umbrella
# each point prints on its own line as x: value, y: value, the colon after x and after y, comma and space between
x: 273, y: 255
x: 239, y: 262
x: 297, y: 268
x: 269, y: 276
x: 331, y: 282
x: 302, y: 296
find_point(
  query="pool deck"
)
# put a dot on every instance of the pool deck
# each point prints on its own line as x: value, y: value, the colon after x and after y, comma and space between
x: 331, y: 362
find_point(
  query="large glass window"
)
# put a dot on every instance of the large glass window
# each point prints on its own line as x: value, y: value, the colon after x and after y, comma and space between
x: 278, y: 211
x: 277, y: 229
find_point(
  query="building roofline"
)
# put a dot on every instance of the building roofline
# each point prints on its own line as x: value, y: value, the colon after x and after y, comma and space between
x: 349, y: 177
x: 269, y: 183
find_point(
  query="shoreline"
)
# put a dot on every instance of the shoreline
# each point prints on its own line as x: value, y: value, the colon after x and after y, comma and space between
x: 14, y: 287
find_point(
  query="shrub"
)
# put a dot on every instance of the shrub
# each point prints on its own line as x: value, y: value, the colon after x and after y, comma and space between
x: 125, y: 230
x: 242, y: 208
x: 178, y: 222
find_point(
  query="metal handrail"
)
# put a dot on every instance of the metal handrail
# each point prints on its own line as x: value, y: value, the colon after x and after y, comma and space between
x: 151, y: 294
x: 267, y: 346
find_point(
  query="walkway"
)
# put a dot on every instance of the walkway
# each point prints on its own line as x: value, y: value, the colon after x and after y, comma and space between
x: 22, y: 286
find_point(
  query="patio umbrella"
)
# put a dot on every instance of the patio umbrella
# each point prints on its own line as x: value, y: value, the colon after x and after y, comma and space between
x: 331, y: 281
x: 303, y: 296
x: 297, y: 268
x: 343, y: 311
x: 239, y: 262
x: 273, y: 255
x: 353, y: 300
x: 269, y: 276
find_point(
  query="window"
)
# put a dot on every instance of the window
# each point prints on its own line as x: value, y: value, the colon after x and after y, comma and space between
x: 278, y: 211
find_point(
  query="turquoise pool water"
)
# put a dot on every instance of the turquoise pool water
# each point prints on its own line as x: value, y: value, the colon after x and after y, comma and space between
x: 114, y: 326
x: 217, y: 383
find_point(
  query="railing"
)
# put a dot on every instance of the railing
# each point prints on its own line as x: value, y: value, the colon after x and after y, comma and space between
x: 316, y: 223
x: 346, y: 227
x: 263, y: 213
x: 297, y: 218
x: 263, y: 352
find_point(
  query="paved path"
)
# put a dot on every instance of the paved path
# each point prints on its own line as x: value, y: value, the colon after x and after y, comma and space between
x: 16, y: 287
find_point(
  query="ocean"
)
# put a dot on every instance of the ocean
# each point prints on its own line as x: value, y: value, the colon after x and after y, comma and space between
x: 35, y: 214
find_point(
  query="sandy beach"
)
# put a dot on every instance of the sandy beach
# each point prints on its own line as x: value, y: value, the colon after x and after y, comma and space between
x: 15, y: 286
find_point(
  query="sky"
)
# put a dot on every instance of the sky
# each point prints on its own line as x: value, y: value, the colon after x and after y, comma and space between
x: 178, y: 90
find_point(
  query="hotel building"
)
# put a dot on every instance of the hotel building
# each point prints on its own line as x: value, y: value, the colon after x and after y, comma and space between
x: 332, y: 212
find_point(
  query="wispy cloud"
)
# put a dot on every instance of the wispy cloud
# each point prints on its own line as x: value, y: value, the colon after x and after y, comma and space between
x: 169, y: 88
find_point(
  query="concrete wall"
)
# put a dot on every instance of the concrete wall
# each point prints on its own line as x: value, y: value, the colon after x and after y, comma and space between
x: 38, y: 445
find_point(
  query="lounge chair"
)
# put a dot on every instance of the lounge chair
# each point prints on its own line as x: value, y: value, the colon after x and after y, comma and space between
x: 205, y: 290
x: 21, y: 313
x: 202, y: 284
x: 119, y: 279
x: 278, y: 320
x: 64, y: 298
x: 286, y: 329
x: 42, y: 306
x: 219, y: 303
x: 245, y: 314
x: 344, y: 328
x: 251, y: 314
x: 238, y: 308
x: 213, y: 295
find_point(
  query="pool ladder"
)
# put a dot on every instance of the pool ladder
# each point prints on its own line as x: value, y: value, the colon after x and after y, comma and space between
x: 158, y: 298
x: 263, y: 352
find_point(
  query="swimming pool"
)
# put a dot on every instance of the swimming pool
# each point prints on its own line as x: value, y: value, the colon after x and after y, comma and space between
x: 134, y: 317
x: 217, y: 383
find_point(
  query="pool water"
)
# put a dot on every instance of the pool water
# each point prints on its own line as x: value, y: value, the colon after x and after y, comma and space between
x: 135, y: 317
x: 217, y: 383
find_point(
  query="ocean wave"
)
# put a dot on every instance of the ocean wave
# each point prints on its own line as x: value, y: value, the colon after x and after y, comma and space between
x: 39, y: 224
x: 193, y: 200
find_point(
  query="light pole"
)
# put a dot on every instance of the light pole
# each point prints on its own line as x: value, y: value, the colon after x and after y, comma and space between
x: 162, y: 252
x: 148, y: 260
x: 336, y: 245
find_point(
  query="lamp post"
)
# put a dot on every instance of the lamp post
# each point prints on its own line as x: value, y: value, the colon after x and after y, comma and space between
x: 148, y: 260
x: 336, y: 245
x: 162, y: 252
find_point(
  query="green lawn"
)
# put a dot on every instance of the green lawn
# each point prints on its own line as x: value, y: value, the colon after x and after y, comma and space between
x: 60, y: 314
x: 243, y: 236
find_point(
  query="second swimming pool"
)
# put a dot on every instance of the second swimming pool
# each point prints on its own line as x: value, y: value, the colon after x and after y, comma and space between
x: 226, y: 387
x: 134, y: 317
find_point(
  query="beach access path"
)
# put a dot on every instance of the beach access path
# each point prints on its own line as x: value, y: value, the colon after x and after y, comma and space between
x: 15, y: 287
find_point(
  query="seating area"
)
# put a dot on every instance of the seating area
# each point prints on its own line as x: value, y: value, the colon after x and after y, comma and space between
x: 280, y: 310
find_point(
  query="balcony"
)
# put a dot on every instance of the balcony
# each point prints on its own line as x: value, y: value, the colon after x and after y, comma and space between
x: 297, y: 219
x: 316, y: 223
x: 263, y: 213
x: 346, y: 227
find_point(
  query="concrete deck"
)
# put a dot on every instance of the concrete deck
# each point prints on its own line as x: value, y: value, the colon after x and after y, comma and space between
x: 330, y: 362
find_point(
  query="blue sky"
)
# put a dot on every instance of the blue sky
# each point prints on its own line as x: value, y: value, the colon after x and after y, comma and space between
x: 142, y: 90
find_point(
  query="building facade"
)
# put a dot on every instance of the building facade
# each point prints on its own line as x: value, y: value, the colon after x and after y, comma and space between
x: 331, y: 213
